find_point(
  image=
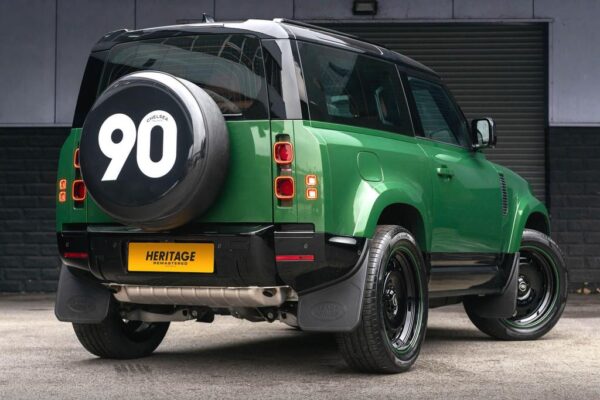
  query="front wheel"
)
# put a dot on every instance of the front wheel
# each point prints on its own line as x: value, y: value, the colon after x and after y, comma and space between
x: 541, y: 292
x: 394, y: 310
x: 120, y: 339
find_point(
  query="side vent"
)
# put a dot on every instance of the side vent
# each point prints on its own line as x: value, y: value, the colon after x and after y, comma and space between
x: 504, y: 194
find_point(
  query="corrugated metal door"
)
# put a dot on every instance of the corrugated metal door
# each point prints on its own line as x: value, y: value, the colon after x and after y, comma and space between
x: 494, y: 70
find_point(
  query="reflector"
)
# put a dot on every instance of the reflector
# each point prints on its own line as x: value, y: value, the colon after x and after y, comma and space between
x: 295, y: 257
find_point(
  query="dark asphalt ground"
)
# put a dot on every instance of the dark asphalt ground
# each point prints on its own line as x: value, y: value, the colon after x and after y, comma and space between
x: 40, y: 358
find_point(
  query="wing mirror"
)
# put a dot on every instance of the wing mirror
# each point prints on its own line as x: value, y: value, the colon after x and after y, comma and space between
x: 484, y: 133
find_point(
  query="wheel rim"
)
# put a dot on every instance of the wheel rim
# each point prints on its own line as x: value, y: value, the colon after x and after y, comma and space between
x: 401, y: 301
x: 537, y: 288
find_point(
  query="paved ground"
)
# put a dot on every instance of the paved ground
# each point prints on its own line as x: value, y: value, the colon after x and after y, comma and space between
x: 40, y: 358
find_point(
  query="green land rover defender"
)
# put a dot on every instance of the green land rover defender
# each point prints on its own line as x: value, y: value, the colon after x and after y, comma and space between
x: 274, y: 170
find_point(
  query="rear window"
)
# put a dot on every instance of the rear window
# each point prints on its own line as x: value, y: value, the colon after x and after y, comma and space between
x: 348, y: 88
x: 229, y: 68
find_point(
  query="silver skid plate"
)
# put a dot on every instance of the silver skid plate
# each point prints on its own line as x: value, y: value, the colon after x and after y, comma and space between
x: 252, y: 296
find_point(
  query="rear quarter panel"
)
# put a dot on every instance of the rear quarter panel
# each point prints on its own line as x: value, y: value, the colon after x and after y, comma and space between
x: 352, y: 197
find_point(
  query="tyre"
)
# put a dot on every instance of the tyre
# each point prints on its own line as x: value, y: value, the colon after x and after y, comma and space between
x: 119, y: 339
x: 541, y: 293
x: 154, y: 151
x: 395, y: 304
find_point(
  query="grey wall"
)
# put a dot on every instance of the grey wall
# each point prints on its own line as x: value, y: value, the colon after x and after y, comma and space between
x: 45, y: 43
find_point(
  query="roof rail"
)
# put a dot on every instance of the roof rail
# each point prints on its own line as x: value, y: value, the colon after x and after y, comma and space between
x: 315, y: 27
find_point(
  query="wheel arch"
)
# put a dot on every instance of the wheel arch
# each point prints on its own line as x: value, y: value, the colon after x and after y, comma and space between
x: 531, y: 214
x: 538, y: 222
x: 408, y: 217
x: 403, y: 205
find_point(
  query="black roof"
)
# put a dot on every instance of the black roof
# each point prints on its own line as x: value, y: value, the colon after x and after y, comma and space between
x: 265, y: 29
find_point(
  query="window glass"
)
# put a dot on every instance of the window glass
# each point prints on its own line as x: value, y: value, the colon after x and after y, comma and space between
x: 440, y: 118
x: 229, y: 68
x: 349, y: 88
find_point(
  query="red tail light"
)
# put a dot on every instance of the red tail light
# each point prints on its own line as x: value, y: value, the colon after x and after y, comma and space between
x: 283, y: 152
x: 79, y: 192
x: 284, y: 187
x: 76, y: 158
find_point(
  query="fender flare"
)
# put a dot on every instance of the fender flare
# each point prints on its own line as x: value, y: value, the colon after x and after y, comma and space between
x: 525, y: 208
x: 375, y: 197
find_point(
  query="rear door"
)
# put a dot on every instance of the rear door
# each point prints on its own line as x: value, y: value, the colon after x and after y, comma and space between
x: 230, y: 68
x: 467, y: 208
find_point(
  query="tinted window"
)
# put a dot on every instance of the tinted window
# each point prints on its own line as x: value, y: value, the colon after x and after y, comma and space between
x: 229, y: 68
x: 349, y: 88
x: 440, y: 118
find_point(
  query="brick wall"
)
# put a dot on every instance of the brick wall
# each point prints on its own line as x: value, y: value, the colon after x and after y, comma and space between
x: 28, y: 254
x: 574, y: 163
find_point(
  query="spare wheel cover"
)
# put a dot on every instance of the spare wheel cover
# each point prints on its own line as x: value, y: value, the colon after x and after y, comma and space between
x: 154, y: 150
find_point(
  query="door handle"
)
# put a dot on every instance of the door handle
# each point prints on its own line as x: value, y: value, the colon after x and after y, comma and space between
x: 445, y: 172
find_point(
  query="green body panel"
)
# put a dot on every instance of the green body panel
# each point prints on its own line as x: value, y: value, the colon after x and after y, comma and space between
x: 467, y: 203
x: 245, y: 198
x: 349, y: 204
x: 522, y: 204
x: 360, y: 172
x: 65, y: 212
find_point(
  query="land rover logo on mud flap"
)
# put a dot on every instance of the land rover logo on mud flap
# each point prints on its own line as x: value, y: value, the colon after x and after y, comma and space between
x: 119, y: 151
x: 81, y: 304
x: 328, y: 311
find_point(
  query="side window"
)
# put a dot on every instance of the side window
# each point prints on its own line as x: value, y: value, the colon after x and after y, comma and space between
x: 440, y: 118
x: 348, y: 88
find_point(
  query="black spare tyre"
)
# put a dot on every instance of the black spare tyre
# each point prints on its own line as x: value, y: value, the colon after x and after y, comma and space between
x: 154, y: 150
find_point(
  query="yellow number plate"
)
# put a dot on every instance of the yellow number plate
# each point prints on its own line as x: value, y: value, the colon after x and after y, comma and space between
x: 171, y: 257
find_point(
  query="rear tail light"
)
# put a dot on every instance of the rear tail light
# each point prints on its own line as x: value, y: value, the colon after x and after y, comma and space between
x: 76, y: 158
x: 284, y: 187
x: 79, y: 191
x: 283, y: 152
x: 62, y: 196
x: 62, y: 184
x: 311, y: 180
x: 312, y: 194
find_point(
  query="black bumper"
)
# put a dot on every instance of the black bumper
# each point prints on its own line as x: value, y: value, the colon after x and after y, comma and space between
x: 245, y: 255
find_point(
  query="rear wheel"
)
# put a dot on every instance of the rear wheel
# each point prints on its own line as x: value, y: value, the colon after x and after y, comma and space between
x: 120, y: 339
x: 541, y: 292
x: 394, y: 312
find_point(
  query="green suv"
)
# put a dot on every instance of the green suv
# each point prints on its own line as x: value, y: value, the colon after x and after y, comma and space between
x: 274, y: 170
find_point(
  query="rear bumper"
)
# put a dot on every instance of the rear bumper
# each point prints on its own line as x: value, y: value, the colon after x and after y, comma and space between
x: 245, y: 255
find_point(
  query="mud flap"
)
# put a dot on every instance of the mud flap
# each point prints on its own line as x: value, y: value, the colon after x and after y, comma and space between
x: 502, y: 305
x: 335, y: 308
x: 79, y: 299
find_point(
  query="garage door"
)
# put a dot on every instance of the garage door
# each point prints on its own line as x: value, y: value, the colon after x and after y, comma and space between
x: 495, y: 70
